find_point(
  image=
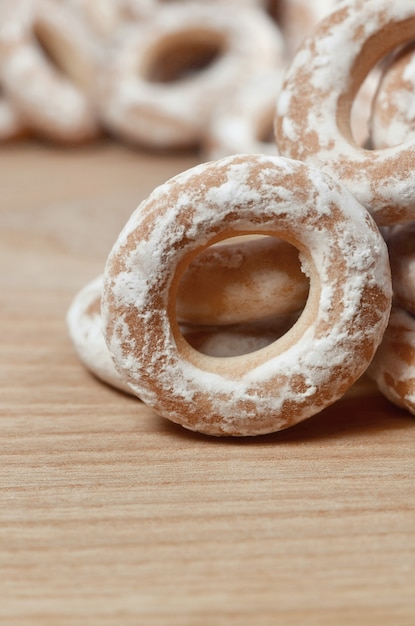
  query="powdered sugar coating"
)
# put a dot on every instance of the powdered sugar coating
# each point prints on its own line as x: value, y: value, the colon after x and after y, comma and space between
x: 310, y: 366
x: 85, y: 329
x: 313, y: 111
x: 393, y: 366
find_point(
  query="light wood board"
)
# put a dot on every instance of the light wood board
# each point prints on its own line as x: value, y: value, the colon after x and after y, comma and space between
x: 111, y: 515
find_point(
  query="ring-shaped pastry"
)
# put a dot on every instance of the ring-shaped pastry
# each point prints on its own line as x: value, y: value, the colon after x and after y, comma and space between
x: 164, y: 75
x: 53, y: 96
x: 308, y: 368
x: 313, y: 110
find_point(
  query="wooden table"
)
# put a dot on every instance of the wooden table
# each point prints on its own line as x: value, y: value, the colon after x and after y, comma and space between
x: 110, y: 515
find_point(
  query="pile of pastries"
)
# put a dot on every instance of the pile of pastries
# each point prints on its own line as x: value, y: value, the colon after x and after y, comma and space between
x: 250, y: 292
x: 157, y: 74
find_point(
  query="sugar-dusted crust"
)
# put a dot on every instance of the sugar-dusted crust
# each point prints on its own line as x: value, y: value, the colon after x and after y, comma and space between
x: 85, y: 329
x: 314, y: 363
x: 393, y: 113
x: 393, y: 367
x: 313, y: 110
x: 55, y: 103
x: 401, y: 244
x: 164, y: 76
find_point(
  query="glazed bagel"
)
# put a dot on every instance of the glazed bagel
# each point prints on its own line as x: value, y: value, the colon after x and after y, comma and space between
x: 54, y: 102
x: 393, y: 116
x: 308, y: 368
x: 164, y: 76
x: 313, y: 110
x: 393, y: 366
x: 84, y: 322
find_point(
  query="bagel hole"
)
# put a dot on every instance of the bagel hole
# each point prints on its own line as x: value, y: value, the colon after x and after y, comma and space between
x: 182, y: 55
x: 225, y: 296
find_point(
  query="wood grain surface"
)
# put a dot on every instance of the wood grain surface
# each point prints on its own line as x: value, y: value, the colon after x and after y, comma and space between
x: 110, y: 515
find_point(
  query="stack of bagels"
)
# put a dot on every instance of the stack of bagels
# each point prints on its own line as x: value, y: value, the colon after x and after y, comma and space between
x: 161, y: 75
x: 250, y: 292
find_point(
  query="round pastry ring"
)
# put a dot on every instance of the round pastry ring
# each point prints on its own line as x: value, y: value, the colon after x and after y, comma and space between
x: 167, y: 73
x: 301, y: 373
x: 313, y: 112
